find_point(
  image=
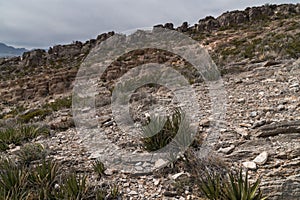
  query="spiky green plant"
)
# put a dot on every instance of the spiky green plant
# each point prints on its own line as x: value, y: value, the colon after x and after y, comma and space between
x: 43, y: 178
x: 100, y: 194
x: 31, y: 152
x: 20, y: 133
x: 160, y: 131
x: 13, y: 184
x: 75, y: 188
x: 211, y: 187
x: 28, y: 132
x: 45, y: 181
x: 8, y: 136
x: 114, y: 191
x: 99, y: 168
x: 235, y: 187
x: 59, y: 104
x: 240, y: 188
x: 34, y: 115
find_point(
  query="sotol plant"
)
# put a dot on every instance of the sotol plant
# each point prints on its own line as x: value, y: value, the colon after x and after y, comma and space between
x: 31, y: 152
x: 43, y: 179
x: 75, y: 188
x: 161, y: 130
x: 13, y: 181
x: 235, y: 187
x: 99, y: 168
x: 20, y: 133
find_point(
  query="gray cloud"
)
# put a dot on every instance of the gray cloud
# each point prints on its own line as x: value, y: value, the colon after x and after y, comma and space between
x: 43, y: 23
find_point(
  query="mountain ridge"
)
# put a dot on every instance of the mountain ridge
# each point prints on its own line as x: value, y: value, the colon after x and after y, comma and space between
x: 10, y: 51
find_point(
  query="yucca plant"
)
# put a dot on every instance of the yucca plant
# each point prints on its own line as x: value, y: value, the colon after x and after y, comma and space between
x: 235, y: 187
x: 239, y: 188
x: 13, y: 184
x: 75, y: 188
x: 30, y: 132
x: 58, y: 104
x: 211, y: 187
x: 20, y: 133
x: 31, y: 152
x: 43, y: 179
x: 114, y: 192
x: 99, y: 168
x: 161, y: 130
x: 100, y: 194
x: 8, y: 136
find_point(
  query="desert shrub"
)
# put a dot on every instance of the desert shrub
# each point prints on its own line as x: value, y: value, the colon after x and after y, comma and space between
x: 47, y: 180
x: 234, y: 186
x: 19, y: 134
x: 14, y: 112
x: 36, y: 114
x: 99, y: 168
x: 114, y: 192
x: 42, y: 180
x: 13, y: 181
x: 31, y: 152
x: 75, y: 188
x: 59, y: 104
x: 160, y: 131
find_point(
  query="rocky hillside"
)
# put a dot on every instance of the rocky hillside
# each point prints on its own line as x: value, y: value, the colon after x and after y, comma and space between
x: 257, y: 52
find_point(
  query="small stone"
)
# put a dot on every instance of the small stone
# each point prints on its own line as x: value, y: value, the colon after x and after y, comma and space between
x: 146, y: 164
x: 253, y: 114
x: 110, y: 172
x: 223, y: 130
x: 175, y: 176
x: 227, y: 150
x: 85, y: 110
x: 170, y: 194
x: 241, y: 100
x: 132, y: 192
x: 205, y: 123
x: 139, y: 168
x: 11, y: 146
x: 280, y: 107
x: 259, y: 123
x: 239, y: 81
x: 17, y: 148
x: 242, y: 132
x: 294, y: 85
x: 160, y: 163
x: 56, y: 186
x: 245, y: 125
x: 107, y: 124
x: 156, y: 182
x: 261, y: 158
x: 95, y: 155
x: 249, y: 165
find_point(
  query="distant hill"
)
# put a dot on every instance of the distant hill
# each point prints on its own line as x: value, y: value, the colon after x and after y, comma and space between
x: 9, y: 51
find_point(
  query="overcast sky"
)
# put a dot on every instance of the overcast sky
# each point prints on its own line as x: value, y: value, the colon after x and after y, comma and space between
x: 44, y: 23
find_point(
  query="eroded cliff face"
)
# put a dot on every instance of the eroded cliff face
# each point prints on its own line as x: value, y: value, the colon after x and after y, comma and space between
x: 256, y: 34
x: 39, y: 73
x: 257, y: 51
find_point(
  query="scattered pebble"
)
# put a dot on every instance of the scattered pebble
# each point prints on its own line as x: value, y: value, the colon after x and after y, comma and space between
x: 261, y: 158
x: 249, y: 165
